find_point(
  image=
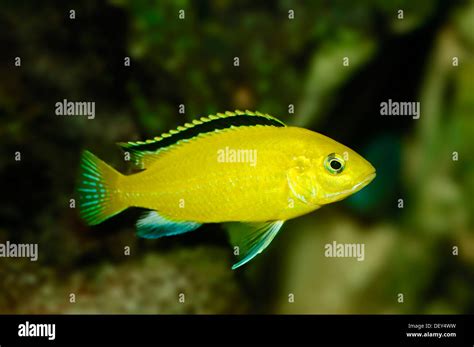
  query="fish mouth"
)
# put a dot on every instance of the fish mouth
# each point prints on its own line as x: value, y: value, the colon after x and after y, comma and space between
x: 355, y: 188
x: 363, y: 183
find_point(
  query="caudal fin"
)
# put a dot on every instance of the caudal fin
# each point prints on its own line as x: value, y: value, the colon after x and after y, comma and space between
x: 99, y: 198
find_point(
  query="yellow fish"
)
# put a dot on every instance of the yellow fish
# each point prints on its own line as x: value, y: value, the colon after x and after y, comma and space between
x: 237, y: 166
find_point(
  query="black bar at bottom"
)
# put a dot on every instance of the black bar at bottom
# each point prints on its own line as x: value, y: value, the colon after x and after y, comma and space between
x: 450, y: 330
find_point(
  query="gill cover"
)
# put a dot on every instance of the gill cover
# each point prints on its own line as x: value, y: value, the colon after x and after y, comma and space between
x: 301, y: 180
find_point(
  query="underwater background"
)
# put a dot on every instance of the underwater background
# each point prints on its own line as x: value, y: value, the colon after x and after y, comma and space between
x: 422, y: 247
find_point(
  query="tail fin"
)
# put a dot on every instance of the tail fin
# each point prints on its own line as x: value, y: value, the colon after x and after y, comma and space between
x: 98, y: 195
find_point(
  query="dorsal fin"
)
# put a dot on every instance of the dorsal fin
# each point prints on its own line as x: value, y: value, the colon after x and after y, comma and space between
x: 139, y: 150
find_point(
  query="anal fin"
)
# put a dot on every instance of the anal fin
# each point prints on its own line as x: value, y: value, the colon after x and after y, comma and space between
x: 152, y: 226
x: 252, y: 238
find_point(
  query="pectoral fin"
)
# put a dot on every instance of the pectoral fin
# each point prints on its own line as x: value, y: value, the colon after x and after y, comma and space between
x: 252, y: 238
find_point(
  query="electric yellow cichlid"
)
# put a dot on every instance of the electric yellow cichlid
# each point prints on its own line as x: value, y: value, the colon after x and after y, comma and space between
x: 237, y: 166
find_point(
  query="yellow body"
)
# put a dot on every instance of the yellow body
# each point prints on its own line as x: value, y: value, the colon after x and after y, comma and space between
x: 234, y: 167
x: 189, y: 183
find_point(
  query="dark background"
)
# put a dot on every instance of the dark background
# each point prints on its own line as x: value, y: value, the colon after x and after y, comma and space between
x: 282, y: 62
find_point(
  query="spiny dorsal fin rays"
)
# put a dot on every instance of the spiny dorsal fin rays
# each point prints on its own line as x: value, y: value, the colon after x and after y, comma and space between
x: 209, y: 120
x: 210, y: 123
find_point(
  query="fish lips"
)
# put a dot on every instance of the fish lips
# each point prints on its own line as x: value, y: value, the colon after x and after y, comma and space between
x: 345, y: 193
x: 369, y: 178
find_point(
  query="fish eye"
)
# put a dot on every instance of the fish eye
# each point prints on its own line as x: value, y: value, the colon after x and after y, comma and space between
x: 334, y: 163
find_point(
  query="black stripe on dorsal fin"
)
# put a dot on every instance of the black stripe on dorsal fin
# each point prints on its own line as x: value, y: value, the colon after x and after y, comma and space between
x: 204, y: 125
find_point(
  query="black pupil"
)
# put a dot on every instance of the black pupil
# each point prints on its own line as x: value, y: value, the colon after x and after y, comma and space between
x: 335, y: 165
